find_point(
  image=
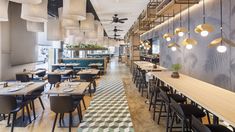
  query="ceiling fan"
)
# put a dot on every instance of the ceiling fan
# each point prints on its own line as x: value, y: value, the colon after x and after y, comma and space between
x: 116, y: 29
x: 116, y: 19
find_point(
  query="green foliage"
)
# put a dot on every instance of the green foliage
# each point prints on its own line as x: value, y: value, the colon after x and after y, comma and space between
x: 85, y: 47
x: 176, y: 67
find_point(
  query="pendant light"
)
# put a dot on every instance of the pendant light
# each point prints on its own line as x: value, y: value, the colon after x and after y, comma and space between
x: 35, y: 26
x: 173, y: 45
x: 180, y: 31
x: 35, y: 13
x: 4, y: 10
x: 100, y: 30
x: 189, y: 42
x: 88, y: 24
x: 167, y: 35
x: 205, y: 28
x: 54, y: 30
x: 70, y: 24
x: 74, y: 9
x: 27, y: 1
x: 92, y: 35
x: 219, y: 42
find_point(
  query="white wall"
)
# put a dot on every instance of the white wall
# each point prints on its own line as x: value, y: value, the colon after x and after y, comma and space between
x: 14, y: 32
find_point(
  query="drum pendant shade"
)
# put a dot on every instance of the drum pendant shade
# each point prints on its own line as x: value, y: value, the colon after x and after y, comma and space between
x: 70, y: 24
x: 88, y: 24
x: 27, y: 1
x: 35, y: 26
x: 35, y: 13
x: 54, y: 32
x: 4, y: 10
x: 74, y: 9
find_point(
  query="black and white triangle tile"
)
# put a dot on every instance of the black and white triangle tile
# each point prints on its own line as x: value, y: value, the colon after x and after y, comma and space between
x: 108, y: 111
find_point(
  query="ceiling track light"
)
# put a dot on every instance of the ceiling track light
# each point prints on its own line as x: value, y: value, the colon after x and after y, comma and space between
x: 219, y: 42
x: 180, y: 31
x: 205, y: 28
x: 189, y: 42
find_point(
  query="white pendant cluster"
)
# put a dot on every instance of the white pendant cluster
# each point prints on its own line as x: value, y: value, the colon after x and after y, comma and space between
x: 73, y: 20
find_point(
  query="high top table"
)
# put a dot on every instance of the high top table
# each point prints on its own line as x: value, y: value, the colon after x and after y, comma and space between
x: 218, y: 101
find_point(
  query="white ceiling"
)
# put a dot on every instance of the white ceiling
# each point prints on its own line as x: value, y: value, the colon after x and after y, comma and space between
x: 130, y: 9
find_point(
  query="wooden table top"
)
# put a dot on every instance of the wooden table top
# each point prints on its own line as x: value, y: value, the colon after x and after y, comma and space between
x: 150, y: 68
x: 89, y: 71
x: 32, y: 72
x: 23, y: 88
x: 217, y: 100
x: 95, y: 64
x: 78, y: 88
x: 66, y: 64
x: 60, y: 72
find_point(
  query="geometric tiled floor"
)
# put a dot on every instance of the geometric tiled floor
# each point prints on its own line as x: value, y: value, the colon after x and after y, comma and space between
x: 108, y: 111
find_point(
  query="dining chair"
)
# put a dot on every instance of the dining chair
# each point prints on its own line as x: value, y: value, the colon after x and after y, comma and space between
x: 10, y: 106
x: 61, y: 105
x: 36, y: 94
x: 89, y: 78
x: 22, y: 77
x: 184, y: 112
x: 197, y: 126
x: 53, y: 79
x: 165, y: 101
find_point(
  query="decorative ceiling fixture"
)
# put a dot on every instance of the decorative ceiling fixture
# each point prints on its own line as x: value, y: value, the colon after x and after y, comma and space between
x: 35, y: 26
x: 167, y: 36
x: 54, y: 32
x: 100, y: 30
x: 180, y: 31
x: 205, y: 28
x: 189, y: 42
x: 35, y: 13
x: 74, y: 9
x: 88, y: 24
x: 70, y: 24
x: 4, y: 10
x: 27, y: 1
x: 173, y: 45
x: 219, y: 42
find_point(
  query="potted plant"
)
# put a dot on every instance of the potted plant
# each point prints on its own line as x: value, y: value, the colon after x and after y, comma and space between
x: 175, y: 68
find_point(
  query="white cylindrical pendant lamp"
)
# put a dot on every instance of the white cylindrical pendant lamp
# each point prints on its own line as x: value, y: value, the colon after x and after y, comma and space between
x: 74, y: 9
x: 35, y: 13
x: 54, y: 30
x: 4, y: 10
x: 100, y: 30
x: 35, y: 26
x: 70, y: 24
x: 88, y: 24
x: 27, y: 1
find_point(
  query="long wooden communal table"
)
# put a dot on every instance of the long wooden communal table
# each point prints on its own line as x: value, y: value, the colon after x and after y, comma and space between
x: 148, y: 66
x: 218, y: 101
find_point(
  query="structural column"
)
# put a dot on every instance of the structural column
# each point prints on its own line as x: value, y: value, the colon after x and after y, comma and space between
x: 134, y: 48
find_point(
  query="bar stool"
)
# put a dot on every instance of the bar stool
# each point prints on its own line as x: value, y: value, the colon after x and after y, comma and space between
x: 166, y: 102
x: 184, y: 113
x: 197, y: 126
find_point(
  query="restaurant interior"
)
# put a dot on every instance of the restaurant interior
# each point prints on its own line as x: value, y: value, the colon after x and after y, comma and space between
x: 117, y: 65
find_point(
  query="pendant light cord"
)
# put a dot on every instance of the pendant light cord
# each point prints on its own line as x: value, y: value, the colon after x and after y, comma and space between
x: 221, y: 17
x: 188, y: 20
x: 180, y: 16
x: 168, y: 23
x: 173, y: 25
x: 204, y: 12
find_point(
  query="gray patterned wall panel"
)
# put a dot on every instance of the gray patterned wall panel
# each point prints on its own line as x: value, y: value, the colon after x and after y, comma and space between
x: 202, y: 62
